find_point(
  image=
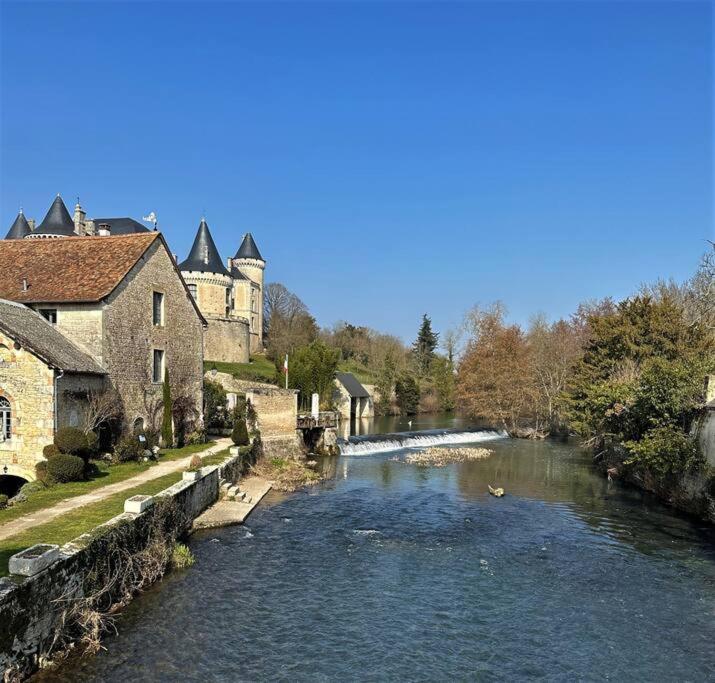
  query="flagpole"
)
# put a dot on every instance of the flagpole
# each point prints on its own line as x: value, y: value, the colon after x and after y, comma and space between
x: 286, y: 369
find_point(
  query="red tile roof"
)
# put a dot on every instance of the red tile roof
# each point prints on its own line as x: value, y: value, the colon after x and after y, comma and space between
x: 68, y: 269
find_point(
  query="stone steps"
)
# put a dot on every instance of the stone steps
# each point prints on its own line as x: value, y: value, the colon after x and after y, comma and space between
x: 232, y: 492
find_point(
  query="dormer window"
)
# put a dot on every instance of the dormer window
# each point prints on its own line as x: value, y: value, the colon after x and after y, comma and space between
x: 49, y: 314
x: 158, y: 309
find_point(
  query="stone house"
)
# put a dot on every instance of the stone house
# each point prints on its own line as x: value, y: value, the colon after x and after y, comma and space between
x: 120, y: 299
x: 352, y: 400
x: 45, y: 380
x: 229, y: 297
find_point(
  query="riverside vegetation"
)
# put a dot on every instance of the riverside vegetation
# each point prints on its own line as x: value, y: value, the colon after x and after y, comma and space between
x: 627, y: 377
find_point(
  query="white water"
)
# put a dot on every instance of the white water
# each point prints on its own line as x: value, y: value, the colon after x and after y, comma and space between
x: 396, y: 442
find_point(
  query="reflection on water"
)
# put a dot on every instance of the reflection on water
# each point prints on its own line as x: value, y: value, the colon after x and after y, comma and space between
x: 390, y: 571
x: 407, y: 423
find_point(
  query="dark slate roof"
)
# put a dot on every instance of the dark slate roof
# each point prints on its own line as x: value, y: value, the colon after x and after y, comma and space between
x: 31, y: 330
x: 57, y: 221
x: 120, y: 226
x: 204, y: 256
x: 248, y: 248
x: 20, y: 228
x: 353, y: 387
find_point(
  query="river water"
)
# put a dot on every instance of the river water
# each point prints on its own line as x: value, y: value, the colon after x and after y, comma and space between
x: 390, y: 571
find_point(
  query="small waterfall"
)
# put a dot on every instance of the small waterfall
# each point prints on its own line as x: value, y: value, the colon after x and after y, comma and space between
x: 395, y: 442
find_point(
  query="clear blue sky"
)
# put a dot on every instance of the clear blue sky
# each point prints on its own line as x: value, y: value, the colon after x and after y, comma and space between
x: 390, y: 159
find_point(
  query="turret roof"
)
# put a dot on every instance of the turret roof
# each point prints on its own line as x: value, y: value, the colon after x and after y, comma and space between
x: 248, y: 249
x: 57, y: 221
x: 20, y: 228
x: 204, y: 256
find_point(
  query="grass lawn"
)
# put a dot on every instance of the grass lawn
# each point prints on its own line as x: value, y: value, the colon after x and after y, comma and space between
x: 259, y: 369
x: 363, y: 375
x: 108, y: 474
x: 77, y: 522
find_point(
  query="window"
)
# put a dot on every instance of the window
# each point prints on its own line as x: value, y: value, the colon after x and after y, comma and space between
x: 157, y: 372
x: 5, y: 419
x: 228, y: 302
x: 138, y: 426
x: 192, y: 290
x: 158, y: 308
x: 49, y: 314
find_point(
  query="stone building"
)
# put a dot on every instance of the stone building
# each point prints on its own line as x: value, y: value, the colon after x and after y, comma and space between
x: 352, y: 399
x: 45, y: 380
x: 229, y: 297
x: 120, y: 299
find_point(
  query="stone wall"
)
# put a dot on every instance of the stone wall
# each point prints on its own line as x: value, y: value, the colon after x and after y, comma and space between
x: 238, y: 386
x: 277, y: 411
x: 130, y: 337
x: 31, y: 608
x: 227, y: 340
x: 29, y: 386
x: 72, y: 394
x: 83, y: 324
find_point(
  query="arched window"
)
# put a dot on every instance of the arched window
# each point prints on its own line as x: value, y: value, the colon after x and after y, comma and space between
x: 5, y: 419
x: 138, y: 426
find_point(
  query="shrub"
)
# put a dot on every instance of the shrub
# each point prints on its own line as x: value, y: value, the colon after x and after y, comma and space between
x: 3, y: 501
x: 50, y: 451
x: 196, y: 437
x: 665, y: 451
x: 64, y: 467
x: 182, y: 557
x: 239, y: 434
x: 42, y: 473
x: 152, y: 438
x: 195, y: 464
x: 167, y: 423
x: 128, y: 449
x: 73, y: 441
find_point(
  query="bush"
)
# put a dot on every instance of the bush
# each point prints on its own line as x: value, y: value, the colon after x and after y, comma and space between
x: 152, y: 438
x: 239, y: 434
x: 182, y: 557
x: 128, y: 449
x: 195, y: 464
x: 42, y: 473
x: 50, y: 451
x: 196, y: 437
x: 31, y: 487
x: 64, y: 468
x: 3, y: 501
x: 665, y: 451
x: 73, y: 441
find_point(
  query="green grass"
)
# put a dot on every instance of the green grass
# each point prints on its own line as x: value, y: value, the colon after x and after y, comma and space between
x: 108, y: 474
x: 363, y: 374
x: 259, y: 369
x: 66, y: 527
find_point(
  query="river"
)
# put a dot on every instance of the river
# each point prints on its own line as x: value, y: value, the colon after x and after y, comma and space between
x: 390, y: 571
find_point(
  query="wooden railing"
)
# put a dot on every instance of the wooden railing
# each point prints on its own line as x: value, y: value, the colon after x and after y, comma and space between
x: 326, y: 418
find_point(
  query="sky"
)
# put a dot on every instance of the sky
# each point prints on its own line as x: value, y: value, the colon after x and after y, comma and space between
x: 390, y: 159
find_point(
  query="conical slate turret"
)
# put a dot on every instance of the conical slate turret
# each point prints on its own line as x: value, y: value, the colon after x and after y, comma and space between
x: 20, y: 228
x: 57, y: 222
x: 204, y: 256
x: 248, y: 249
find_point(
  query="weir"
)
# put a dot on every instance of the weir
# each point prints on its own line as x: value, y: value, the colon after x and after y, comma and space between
x: 385, y: 443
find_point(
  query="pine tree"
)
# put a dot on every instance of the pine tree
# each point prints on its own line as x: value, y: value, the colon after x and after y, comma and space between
x: 167, y: 427
x: 425, y: 345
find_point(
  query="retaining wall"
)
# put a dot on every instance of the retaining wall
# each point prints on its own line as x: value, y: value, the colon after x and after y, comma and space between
x: 31, y: 608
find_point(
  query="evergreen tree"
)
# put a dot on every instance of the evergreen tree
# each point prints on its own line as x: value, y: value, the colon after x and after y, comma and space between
x: 425, y: 345
x: 167, y: 427
x: 407, y: 392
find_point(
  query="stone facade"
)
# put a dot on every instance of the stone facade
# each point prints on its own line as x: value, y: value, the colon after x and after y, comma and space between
x: 277, y: 411
x: 130, y: 337
x: 227, y: 340
x: 41, y: 401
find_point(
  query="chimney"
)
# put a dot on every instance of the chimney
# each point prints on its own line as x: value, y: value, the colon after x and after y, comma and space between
x: 31, y: 223
x: 104, y: 230
x: 79, y: 216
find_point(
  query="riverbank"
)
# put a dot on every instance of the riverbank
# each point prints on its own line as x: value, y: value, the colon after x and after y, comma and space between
x: 63, y: 596
x: 692, y: 493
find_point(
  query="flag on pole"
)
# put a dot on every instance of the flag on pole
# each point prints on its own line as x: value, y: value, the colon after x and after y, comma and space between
x: 285, y: 365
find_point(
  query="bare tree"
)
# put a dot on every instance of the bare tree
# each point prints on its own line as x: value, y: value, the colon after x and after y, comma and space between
x: 100, y: 408
x: 288, y: 323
